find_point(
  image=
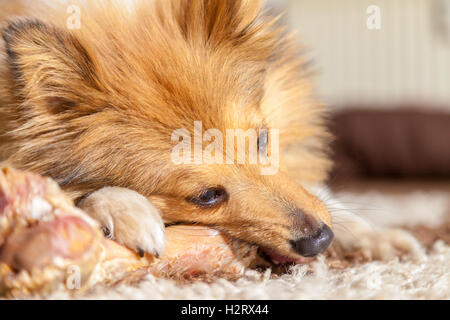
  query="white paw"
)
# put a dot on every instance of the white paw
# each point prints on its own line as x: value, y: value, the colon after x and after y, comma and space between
x: 128, y: 218
x: 379, y: 244
x: 356, y: 233
x: 390, y: 243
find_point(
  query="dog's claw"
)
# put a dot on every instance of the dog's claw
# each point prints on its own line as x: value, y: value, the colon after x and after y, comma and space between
x: 140, y: 252
x: 106, y: 232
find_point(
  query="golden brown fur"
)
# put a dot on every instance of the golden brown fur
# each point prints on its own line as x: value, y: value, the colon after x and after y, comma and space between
x: 96, y: 107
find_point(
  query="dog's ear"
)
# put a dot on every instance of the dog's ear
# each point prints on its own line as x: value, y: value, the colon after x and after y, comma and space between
x: 49, y: 66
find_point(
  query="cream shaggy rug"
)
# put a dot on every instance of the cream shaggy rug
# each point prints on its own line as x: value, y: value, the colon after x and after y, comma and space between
x: 402, y: 278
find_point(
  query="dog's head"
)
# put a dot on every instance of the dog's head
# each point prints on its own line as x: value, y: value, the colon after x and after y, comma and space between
x: 143, y: 99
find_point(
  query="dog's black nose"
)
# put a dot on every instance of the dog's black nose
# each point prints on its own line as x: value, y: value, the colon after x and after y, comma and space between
x: 313, y: 245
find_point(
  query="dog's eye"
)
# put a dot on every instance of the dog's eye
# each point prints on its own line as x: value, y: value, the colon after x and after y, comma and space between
x: 210, y: 197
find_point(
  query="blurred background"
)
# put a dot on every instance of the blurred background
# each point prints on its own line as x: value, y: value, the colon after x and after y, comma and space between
x: 383, y: 68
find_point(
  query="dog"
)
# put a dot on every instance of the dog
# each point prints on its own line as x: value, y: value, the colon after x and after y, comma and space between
x: 94, y: 104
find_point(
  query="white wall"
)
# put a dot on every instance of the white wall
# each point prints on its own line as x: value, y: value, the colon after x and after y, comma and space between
x: 408, y: 60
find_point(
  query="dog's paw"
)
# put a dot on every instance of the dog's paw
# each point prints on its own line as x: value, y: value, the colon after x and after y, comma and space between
x: 390, y: 243
x: 379, y: 244
x: 355, y: 234
x: 128, y: 218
